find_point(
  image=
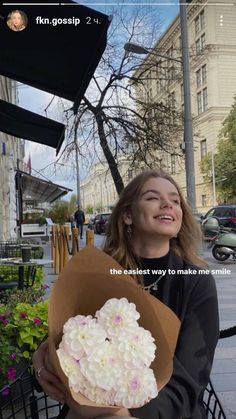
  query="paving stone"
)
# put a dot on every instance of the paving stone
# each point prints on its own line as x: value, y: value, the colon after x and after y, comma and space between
x: 224, y: 381
x: 224, y: 366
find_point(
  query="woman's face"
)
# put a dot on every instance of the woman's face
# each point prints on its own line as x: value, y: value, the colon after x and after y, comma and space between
x: 17, y: 20
x: 157, y: 211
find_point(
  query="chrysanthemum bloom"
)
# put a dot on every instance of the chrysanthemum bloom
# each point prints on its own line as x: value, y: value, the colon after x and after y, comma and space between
x: 117, y: 315
x: 102, y: 367
x: 82, y: 335
x: 136, y: 388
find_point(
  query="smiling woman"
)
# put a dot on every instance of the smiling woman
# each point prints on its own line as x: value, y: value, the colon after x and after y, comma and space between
x: 153, y: 234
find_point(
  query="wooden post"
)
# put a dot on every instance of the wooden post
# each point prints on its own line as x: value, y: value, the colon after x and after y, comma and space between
x: 57, y: 255
x: 61, y: 245
x: 66, y: 240
x: 75, y: 241
x: 89, y: 236
x: 53, y: 245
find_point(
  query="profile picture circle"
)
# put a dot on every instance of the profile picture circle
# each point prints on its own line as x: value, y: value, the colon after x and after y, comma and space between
x: 17, y: 20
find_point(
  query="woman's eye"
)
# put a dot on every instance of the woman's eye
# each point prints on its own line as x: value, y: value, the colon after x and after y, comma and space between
x: 152, y: 197
x: 176, y: 201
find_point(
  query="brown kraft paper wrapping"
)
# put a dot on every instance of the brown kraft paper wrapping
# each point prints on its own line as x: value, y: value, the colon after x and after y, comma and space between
x: 83, y: 287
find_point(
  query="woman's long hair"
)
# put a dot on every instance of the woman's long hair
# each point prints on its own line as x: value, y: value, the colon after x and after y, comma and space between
x: 118, y: 244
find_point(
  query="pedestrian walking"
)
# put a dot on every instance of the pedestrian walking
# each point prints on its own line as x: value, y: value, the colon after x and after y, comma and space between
x: 79, y: 219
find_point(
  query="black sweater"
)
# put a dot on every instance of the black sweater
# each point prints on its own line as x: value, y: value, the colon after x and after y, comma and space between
x: 194, y: 299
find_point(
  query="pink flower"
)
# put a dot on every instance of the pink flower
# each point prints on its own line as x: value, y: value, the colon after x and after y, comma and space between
x: 5, y: 391
x: 3, y: 319
x: 45, y: 286
x: 13, y: 355
x: 11, y: 373
x: 22, y: 315
x: 37, y: 321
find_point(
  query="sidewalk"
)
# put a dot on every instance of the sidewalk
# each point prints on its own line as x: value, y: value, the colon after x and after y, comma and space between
x: 224, y: 366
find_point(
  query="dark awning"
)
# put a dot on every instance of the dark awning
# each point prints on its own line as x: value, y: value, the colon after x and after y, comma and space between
x: 50, y: 54
x: 40, y: 190
x: 30, y: 126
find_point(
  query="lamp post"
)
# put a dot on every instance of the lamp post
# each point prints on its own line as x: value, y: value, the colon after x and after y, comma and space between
x: 213, y: 178
x: 188, y: 127
x: 188, y: 130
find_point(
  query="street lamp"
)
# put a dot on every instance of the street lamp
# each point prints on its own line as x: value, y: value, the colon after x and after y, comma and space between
x: 139, y: 49
x: 213, y: 179
x: 188, y: 130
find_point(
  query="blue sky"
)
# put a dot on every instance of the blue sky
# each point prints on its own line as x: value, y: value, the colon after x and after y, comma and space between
x: 37, y: 101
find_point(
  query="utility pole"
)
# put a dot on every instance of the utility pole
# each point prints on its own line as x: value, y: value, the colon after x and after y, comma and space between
x: 188, y: 128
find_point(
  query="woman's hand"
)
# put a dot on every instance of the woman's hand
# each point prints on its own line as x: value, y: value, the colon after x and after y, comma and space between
x: 49, y: 382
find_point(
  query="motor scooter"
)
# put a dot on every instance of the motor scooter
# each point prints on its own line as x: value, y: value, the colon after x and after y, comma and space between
x: 223, y: 243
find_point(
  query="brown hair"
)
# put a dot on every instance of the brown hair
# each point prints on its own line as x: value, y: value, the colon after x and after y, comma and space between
x: 117, y: 243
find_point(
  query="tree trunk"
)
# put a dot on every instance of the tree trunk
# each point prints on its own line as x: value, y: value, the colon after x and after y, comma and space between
x: 108, y: 155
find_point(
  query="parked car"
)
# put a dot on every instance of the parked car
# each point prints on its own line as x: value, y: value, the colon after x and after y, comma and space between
x: 99, y: 223
x: 226, y: 215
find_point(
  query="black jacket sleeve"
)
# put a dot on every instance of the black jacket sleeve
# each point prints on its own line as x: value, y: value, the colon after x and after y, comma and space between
x: 181, y: 397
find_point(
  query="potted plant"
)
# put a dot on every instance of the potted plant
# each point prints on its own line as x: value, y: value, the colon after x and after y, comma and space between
x: 23, y: 325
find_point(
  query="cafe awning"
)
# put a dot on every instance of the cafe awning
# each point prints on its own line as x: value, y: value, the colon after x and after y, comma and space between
x: 40, y: 190
x: 30, y: 126
x: 59, y: 49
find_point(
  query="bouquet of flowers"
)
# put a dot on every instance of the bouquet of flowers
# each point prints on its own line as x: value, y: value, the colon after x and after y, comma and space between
x: 107, y: 358
x: 97, y: 348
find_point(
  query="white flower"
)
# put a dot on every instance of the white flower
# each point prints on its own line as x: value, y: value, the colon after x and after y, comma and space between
x: 117, y: 315
x: 102, y: 367
x: 98, y: 395
x: 136, y: 348
x: 107, y: 358
x: 82, y: 337
x: 136, y: 388
x: 71, y: 369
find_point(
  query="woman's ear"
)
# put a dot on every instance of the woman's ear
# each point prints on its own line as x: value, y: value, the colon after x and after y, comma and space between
x: 127, y: 218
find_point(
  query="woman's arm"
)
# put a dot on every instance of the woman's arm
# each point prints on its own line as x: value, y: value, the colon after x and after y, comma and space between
x: 193, y: 357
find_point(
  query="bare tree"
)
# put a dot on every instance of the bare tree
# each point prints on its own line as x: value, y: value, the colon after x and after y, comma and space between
x: 118, y: 113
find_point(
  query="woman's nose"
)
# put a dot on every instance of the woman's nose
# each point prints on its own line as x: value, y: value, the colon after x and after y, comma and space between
x: 166, y: 203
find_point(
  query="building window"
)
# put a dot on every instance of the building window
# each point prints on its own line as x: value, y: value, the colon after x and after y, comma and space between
x: 172, y: 163
x: 204, y: 200
x: 199, y: 103
x: 203, y: 148
x: 198, y: 76
x: 202, y: 101
x: 200, y: 44
x: 200, y: 22
x: 201, y: 75
x: 204, y: 74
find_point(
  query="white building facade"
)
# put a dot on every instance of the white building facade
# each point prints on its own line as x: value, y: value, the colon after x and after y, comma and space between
x: 11, y: 150
x: 98, y: 192
x: 212, y: 49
